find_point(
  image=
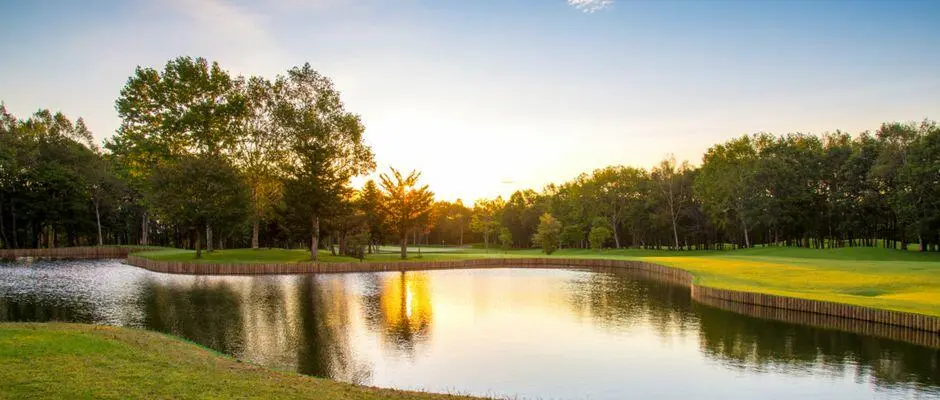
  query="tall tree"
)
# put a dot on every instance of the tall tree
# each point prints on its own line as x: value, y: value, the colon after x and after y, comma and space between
x: 404, y: 203
x: 727, y: 184
x: 370, y: 203
x: 326, y: 147
x: 261, y: 150
x: 485, y: 218
x: 667, y: 176
x: 191, y: 107
x: 199, y: 191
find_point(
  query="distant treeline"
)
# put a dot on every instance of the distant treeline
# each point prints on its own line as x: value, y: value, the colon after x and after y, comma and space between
x: 834, y: 190
x: 205, y: 159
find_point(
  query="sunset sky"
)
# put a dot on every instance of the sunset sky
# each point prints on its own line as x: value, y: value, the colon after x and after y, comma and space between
x: 486, y: 97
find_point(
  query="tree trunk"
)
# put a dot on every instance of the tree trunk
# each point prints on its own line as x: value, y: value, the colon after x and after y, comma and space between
x: 198, y: 243
x: 3, y: 231
x: 461, y: 234
x: 208, y: 238
x: 98, y: 219
x: 747, y: 240
x: 145, y: 221
x: 613, y: 226
x: 255, y: 229
x: 16, y: 241
x: 314, y: 236
x: 404, y: 245
x: 675, y: 233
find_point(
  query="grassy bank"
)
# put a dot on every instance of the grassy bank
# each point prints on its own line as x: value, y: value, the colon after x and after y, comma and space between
x: 86, y: 361
x: 873, y: 277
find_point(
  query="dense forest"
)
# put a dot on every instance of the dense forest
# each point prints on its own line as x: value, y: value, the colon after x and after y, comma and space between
x: 204, y: 160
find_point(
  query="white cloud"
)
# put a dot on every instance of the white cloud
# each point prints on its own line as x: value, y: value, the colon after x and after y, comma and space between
x: 590, y: 6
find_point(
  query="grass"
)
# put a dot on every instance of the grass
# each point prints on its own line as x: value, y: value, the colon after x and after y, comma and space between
x: 76, y: 361
x: 873, y: 277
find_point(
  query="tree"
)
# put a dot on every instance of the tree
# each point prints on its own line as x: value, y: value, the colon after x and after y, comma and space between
x: 599, y: 235
x: 261, y: 150
x: 920, y: 178
x: 727, y: 184
x: 505, y: 238
x: 667, y: 177
x: 192, y: 107
x: 326, y: 148
x: 485, y: 219
x: 198, y: 192
x: 370, y: 203
x: 404, y: 203
x: 548, y: 233
x: 611, y: 192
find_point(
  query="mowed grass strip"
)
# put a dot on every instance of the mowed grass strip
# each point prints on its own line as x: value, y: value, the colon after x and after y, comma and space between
x: 73, y: 361
x: 872, y: 277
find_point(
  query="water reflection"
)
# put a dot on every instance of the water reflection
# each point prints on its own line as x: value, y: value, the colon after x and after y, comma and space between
x: 520, y: 333
x: 398, y: 305
x: 758, y: 344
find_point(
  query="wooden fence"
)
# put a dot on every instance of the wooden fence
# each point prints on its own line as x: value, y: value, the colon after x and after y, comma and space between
x: 90, y: 252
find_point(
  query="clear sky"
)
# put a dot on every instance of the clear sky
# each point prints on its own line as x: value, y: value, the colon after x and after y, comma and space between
x: 486, y: 97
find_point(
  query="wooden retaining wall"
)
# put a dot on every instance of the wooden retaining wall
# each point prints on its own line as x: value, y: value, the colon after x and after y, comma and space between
x: 723, y: 298
x: 90, y: 252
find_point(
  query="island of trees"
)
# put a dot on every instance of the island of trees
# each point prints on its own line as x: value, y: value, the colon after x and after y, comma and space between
x: 206, y: 160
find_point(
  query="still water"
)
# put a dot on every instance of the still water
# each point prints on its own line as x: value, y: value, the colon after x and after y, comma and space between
x: 520, y: 333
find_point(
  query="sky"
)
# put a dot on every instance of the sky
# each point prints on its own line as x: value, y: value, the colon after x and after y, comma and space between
x: 486, y: 97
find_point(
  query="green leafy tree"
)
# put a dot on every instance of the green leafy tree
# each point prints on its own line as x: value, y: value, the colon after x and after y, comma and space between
x: 485, y: 219
x: 191, y: 107
x: 326, y: 147
x: 728, y: 187
x: 370, y: 203
x: 599, y: 234
x: 405, y: 202
x: 505, y: 238
x: 261, y: 150
x: 199, y: 191
x: 548, y: 234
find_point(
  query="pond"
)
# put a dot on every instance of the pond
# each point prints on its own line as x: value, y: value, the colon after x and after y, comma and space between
x: 518, y: 333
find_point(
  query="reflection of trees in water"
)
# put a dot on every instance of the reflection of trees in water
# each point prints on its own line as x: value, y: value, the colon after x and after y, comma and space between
x: 207, y: 311
x: 619, y: 299
x: 299, y: 323
x: 746, y: 342
x: 324, y: 349
x: 399, y: 306
x: 38, y: 311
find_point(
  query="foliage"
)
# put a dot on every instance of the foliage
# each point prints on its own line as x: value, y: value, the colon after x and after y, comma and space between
x: 199, y: 192
x: 485, y: 219
x: 404, y: 203
x: 548, y: 233
x: 505, y: 238
x: 598, y: 236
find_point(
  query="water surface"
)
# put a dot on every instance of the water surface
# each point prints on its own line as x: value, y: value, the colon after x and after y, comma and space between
x: 522, y: 333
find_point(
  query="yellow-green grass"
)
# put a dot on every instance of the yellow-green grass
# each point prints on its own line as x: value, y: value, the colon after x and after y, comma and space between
x: 73, y: 361
x: 873, y: 277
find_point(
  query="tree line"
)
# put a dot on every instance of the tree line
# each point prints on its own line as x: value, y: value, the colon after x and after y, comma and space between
x: 205, y: 160
x: 877, y: 188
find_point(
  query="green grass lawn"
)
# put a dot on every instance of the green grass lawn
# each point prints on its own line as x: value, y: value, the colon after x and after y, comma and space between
x: 874, y: 277
x: 72, y: 361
